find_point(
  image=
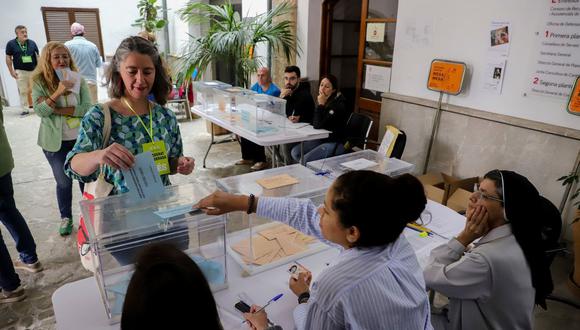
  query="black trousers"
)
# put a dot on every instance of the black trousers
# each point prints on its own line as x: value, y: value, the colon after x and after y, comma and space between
x: 252, y: 151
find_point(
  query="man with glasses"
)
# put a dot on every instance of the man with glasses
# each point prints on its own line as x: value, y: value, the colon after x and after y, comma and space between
x: 21, y: 54
x: 494, y: 282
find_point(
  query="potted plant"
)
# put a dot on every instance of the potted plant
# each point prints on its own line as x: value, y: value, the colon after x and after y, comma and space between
x: 232, y: 39
x: 571, y: 180
x: 148, y: 11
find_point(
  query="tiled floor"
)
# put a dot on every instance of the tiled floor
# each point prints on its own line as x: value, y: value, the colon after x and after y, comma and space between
x: 34, y: 193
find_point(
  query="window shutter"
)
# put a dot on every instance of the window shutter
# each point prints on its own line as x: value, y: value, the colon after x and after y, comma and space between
x: 90, y: 20
x: 57, y: 22
x: 57, y: 25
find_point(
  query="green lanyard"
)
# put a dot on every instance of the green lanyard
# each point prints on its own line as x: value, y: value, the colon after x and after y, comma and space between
x: 24, y: 47
x: 150, y: 131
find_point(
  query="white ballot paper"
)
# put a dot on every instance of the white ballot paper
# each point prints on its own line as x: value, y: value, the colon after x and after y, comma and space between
x: 359, y: 164
x: 143, y: 179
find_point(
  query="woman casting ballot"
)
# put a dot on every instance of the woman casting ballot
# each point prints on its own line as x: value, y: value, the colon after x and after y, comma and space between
x: 137, y: 124
x: 376, y: 281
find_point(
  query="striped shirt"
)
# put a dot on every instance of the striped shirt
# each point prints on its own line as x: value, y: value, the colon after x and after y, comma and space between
x: 365, y: 288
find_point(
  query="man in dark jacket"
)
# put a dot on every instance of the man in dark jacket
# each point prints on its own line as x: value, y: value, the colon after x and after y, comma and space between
x: 299, y: 101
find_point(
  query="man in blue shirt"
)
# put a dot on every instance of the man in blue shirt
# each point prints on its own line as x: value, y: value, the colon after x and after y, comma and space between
x: 21, y: 59
x: 251, y: 152
x: 86, y: 56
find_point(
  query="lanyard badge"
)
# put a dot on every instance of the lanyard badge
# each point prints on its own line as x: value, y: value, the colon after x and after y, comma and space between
x: 157, y: 148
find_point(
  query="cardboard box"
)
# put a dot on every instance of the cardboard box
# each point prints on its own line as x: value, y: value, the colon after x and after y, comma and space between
x: 217, y: 130
x: 448, y: 190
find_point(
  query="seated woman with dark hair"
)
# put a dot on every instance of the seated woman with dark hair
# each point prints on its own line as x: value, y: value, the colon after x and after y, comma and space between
x: 376, y: 281
x: 494, y: 284
x: 165, y: 289
x: 330, y: 114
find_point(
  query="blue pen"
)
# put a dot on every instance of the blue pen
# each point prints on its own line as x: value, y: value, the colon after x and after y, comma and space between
x: 268, y: 303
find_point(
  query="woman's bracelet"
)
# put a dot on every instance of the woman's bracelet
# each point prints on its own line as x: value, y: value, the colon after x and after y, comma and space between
x: 303, y: 297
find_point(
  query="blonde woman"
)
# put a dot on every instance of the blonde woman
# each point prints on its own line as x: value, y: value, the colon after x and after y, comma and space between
x: 60, y: 103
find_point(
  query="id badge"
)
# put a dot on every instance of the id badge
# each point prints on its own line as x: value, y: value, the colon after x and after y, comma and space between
x: 73, y: 122
x: 26, y: 59
x: 157, y: 148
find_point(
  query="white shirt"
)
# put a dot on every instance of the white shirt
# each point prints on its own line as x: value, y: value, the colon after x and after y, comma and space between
x: 366, y: 288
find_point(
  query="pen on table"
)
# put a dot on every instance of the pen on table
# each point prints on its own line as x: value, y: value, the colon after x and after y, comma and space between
x: 418, y: 229
x: 425, y: 229
x: 268, y: 303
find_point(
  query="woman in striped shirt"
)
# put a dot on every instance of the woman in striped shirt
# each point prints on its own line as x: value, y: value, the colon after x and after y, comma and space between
x: 376, y: 281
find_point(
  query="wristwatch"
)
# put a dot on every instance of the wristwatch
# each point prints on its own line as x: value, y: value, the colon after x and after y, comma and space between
x: 303, y: 297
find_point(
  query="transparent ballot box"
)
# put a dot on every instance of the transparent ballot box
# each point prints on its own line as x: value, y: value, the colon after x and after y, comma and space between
x: 205, y: 93
x: 261, y: 114
x: 226, y: 102
x: 258, y: 244
x: 119, y: 227
x: 360, y: 160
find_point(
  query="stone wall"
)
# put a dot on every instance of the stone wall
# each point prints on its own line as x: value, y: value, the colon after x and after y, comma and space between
x: 278, y: 59
x: 471, y: 142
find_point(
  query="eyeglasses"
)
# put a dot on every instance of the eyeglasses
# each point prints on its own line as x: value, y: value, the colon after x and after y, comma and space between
x: 481, y: 195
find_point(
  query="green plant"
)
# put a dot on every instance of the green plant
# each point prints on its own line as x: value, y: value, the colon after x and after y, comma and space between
x: 232, y: 40
x: 148, y: 11
x: 571, y: 179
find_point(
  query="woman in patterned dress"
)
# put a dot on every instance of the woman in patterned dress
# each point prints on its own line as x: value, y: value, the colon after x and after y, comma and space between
x: 135, y: 71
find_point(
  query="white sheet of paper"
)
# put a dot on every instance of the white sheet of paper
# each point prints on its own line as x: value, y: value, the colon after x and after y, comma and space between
x: 494, y: 74
x: 377, y: 78
x: 359, y: 164
x: 67, y: 74
x: 375, y: 32
x: 143, y: 179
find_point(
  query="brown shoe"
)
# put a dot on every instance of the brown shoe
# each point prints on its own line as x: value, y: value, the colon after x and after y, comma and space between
x: 31, y: 268
x: 244, y: 162
x: 12, y: 296
x: 259, y: 166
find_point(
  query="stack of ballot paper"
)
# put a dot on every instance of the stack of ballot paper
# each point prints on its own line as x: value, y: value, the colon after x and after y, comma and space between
x: 272, y: 244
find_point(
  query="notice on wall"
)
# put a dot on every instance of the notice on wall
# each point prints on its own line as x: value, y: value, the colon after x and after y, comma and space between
x: 499, y: 41
x: 375, y: 32
x: 377, y: 78
x: 493, y: 75
x: 556, y: 63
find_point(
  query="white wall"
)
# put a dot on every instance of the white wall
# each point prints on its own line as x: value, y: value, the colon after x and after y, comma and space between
x: 460, y: 31
x: 309, y: 13
x: 252, y: 8
x: 116, y: 19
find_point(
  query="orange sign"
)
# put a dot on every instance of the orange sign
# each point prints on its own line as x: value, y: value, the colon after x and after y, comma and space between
x: 446, y: 76
x: 574, y: 101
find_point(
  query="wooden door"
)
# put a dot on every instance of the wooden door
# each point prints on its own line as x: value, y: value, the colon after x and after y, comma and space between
x: 339, y: 44
x: 382, y: 13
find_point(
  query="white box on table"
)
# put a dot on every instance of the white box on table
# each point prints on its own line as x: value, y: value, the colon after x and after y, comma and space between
x: 242, y: 227
x: 205, y: 93
x: 119, y: 227
x: 261, y: 114
x: 335, y: 166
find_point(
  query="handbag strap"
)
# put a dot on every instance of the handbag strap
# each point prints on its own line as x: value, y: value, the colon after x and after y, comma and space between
x: 106, y: 125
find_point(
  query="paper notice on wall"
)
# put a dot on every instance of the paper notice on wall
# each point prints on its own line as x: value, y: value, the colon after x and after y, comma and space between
x: 375, y: 32
x: 493, y: 76
x: 556, y: 59
x: 499, y: 38
x: 377, y: 78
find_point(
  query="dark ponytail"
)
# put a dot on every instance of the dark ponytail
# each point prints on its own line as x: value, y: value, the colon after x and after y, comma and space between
x: 378, y: 205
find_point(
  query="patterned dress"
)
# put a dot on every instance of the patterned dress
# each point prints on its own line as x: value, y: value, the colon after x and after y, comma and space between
x: 128, y: 132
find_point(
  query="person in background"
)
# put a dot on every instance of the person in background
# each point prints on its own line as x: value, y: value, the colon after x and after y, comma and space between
x: 136, y: 123
x: 251, y: 152
x: 165, y: 289
x: 21, y: 59
x: 330, y: 114
x: 60, y: 107
x: 299, y: 104
x: 376, y: 281
x: 86, y: 56
x: 494, y: 283
x: 10, y: 289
